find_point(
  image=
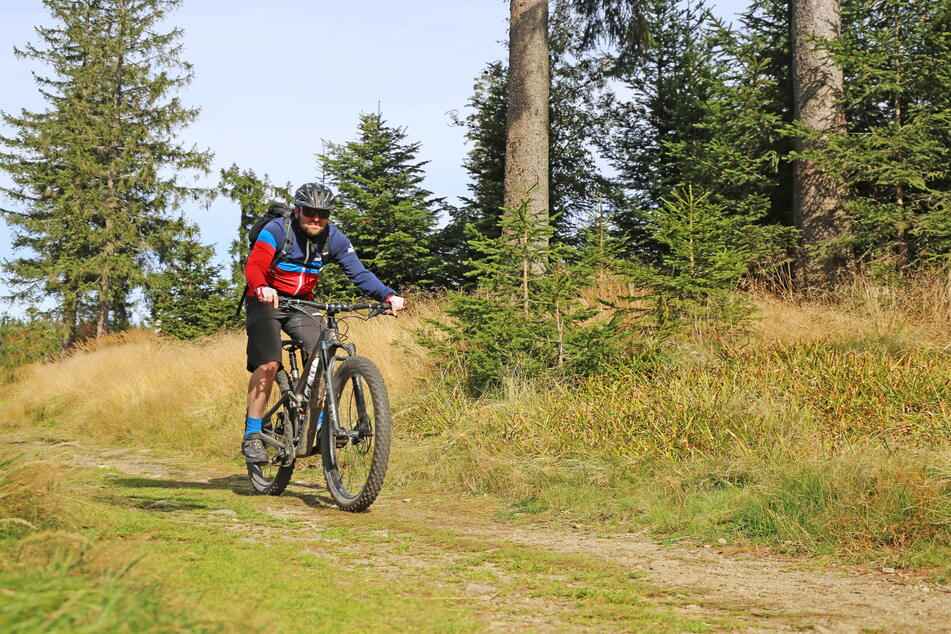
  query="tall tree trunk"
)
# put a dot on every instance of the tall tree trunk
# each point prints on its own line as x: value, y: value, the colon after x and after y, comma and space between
x: 105, y: 294
x: 105, y: 276
x: 70, y: 316
x: 526, y: 144
x: 817, y: 93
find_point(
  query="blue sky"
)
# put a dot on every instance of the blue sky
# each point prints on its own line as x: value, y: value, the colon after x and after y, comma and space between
x: 273, y: 79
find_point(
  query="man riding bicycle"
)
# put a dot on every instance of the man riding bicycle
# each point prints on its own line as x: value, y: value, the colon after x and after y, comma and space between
x: 313, y: 242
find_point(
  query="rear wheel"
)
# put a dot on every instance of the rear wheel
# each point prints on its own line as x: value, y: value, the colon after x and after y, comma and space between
x: 271, y: 478
x: 356, y: 456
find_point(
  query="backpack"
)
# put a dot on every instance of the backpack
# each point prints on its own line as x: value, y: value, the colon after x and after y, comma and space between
x: 279, y: 210
x: 276, y: 210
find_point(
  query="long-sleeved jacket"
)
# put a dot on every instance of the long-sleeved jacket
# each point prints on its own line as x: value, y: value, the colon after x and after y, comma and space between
x: 299, y: 271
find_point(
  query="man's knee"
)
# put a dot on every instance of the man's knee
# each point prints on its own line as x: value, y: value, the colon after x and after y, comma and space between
x: 267, y: 368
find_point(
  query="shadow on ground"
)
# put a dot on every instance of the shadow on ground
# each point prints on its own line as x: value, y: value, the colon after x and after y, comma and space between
x: 237, y: 484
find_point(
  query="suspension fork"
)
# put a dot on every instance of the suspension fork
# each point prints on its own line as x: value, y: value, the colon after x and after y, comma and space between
x: 328, y: 360
x: 363, y: 422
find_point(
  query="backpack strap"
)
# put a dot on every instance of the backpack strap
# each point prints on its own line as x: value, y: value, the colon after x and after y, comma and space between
x: 280, y: 255
x: 325, y: 245
x: 278, y: 258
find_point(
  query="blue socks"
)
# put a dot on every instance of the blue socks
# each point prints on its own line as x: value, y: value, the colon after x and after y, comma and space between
x: 252, y: 425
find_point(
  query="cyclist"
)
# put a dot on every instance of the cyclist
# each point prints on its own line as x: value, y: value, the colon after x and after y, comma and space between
x: 314, y: 243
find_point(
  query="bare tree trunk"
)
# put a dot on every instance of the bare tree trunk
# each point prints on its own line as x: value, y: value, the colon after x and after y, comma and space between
x: 70, y: 315
x: 526, y: 144
x: 102, y: 321
x: 105, y: 277
x: 817, y: 94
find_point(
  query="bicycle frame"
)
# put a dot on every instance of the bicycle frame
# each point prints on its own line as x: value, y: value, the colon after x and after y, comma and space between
x: 297, y: 401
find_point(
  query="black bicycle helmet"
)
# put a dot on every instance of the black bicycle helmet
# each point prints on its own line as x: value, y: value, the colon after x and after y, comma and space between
x: 314, y: 195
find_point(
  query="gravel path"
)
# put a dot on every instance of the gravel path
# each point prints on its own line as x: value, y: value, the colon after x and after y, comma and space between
x: 763, y: 592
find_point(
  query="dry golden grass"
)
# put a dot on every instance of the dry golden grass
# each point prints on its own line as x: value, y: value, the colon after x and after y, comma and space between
x: 779, y: 414
x: 139, y: 389
x: 391, y: 344
x: 145, y: 391
x: 31, y: 494
x: 919, y: 312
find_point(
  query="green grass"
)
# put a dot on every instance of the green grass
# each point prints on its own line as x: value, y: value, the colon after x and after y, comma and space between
x: 53, y: 575
x: 63, y: 597
x: 827, y: 448
x: 260, y: 570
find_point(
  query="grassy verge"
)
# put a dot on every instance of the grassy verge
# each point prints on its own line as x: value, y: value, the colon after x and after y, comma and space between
x: 824, y: 429
x: 55, y: 578
x: 209, y: 557
x: 813, y: 448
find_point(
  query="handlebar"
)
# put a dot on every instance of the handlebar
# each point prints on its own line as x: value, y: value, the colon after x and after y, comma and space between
x: 332, y: 309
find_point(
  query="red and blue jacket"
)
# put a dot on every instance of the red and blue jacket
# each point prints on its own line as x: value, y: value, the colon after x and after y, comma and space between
x: 299, y: 271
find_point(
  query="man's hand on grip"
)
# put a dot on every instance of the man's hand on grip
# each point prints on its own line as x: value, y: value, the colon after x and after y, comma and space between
x: 397, y: 304
x: 267, y: 295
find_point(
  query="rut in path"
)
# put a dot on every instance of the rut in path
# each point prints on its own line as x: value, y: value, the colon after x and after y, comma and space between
x: 761, y: 592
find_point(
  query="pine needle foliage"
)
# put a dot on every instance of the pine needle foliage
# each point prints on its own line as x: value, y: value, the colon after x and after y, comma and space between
x: 740, y: 147
x: 577, y: 183
x: 253, y: 194
x: 23, y: 341
x: 527, y: 316
x: 667, y: 85
x: 707, y: 250
x: 189, y: 298
x: 96, y: 173
x: 896, y: 152
x: 381, y: 204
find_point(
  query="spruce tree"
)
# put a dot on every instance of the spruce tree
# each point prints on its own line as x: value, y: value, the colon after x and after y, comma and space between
x: 24, y: 341
x: 381, y: 204
x: 707, y: 248
x: 485, y: 164
x: 741, y: 155
x: 576, y: 181
x: 40, y: 158
x: 738, y: 154
x: 578, y: 95
x: 96, y: 174
x: 188, y: 298
x: 896, y: 153
x: 519, y: 323
x: 669, y: 83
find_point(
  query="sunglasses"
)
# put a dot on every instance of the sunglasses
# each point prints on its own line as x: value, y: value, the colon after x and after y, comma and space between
x: 310, y: 212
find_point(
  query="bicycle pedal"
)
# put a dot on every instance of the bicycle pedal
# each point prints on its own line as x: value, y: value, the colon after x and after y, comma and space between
x: 341, y: 441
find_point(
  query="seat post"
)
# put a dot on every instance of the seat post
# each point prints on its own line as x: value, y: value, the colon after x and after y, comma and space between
x: 292, y: 347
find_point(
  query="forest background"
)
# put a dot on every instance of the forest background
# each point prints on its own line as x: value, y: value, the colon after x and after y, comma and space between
x: 696, y: 117
x: 744, y: 374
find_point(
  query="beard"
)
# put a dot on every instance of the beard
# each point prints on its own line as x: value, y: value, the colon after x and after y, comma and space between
x: 312, y: 231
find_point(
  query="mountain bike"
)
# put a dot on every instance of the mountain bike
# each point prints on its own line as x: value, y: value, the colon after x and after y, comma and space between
x: 332, y: 403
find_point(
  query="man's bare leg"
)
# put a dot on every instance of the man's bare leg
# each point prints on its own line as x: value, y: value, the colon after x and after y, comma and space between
x: 259, y: 388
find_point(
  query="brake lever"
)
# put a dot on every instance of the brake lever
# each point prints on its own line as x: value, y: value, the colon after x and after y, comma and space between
x: 374, y: 313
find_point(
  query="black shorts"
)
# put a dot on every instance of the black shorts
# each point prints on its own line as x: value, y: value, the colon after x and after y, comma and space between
x: 264, y: 324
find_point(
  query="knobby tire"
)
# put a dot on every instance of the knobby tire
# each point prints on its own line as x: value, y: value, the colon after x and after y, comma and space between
x: 355, y: 471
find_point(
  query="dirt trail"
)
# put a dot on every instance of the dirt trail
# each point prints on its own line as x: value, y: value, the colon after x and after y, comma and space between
x: 757, y: 592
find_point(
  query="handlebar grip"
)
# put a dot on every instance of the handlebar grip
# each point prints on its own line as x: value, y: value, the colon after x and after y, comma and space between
x: 333, y: 307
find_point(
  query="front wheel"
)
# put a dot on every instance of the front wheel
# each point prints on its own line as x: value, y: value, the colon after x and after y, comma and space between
x: 356, y: 453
